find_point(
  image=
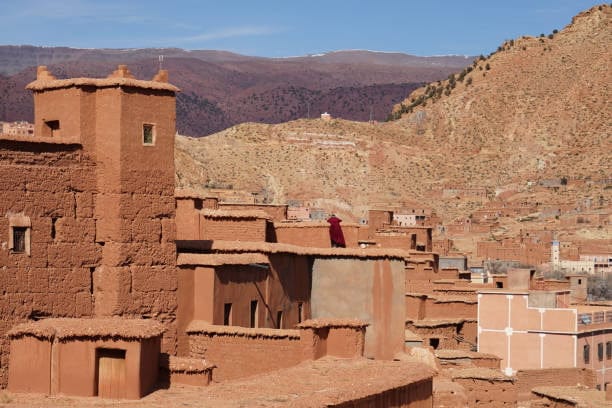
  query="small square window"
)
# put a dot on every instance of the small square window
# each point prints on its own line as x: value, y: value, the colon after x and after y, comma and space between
x: 148, y: 134
x: 19, y: 239
x: 51, y: 128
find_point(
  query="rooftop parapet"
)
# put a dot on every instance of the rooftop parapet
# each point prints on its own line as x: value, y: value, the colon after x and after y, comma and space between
x: 120, y: 77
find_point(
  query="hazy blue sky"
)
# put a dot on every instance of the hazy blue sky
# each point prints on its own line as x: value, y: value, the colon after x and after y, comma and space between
x: 285, y: 27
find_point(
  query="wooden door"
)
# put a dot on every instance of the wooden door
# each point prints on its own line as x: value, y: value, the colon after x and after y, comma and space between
x: 111, y: 373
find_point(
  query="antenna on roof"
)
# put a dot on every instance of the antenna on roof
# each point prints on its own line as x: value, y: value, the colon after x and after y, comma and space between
x: 161, y: 61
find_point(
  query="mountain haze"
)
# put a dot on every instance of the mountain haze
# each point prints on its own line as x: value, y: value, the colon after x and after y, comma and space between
x: 221, y: 89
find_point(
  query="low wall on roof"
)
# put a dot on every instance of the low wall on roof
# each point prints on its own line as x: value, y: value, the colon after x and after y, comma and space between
x: 486, y: 387
x: 414, y: 395
x: 313, y: 234
x: 240, y: 352
x: 530, y: 379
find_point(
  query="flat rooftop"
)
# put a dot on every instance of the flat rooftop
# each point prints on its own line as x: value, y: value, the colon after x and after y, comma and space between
x: 319, y: 383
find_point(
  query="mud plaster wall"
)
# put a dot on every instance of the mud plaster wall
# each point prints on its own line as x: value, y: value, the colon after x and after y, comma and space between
x: 371, y: 290
x: 135, y: 207
x: 232, y: 229
x: 239, y: 356
x: 529, y: 379
x: 281, y: 287
x: 53, y: 186
x: 314, y: 236
x: 488, y: 393
x: 413, y: 395
x: 102, y: 212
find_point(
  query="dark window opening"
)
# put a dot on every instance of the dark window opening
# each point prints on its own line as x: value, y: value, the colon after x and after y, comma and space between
x: 148, y: 134
x: 434, y: 342
x: 586, y: 353
x: 51, y: 128
x: 254, y: 307
x: 300, y: 312
x: 19, y: 239
x: 53, y: 221
x: 227, y: 314
x: 279, y: 319
x: 499, y: 285
x: 600, y: 351
x: 608, y: 350
x: 580, y: 281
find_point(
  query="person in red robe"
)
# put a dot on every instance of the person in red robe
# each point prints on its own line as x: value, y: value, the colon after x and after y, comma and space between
x: 335, y: 232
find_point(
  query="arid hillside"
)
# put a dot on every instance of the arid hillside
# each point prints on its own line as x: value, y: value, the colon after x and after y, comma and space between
x: 537, y: 109
x: 221, y: 89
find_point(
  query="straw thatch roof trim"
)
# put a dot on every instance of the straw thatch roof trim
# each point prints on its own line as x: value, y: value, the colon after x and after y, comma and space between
x: 332, y: 322
x: 202, y: 327
x: 481, y: 374
x: 451, y: 354
x: 438, y: 323
x: 309, y: 224
x: 274, y: 248
x: 66, y: 328
x: 45, y: 84
x: 238, y: 214
x: 221, y: 259
x: 189, y: 365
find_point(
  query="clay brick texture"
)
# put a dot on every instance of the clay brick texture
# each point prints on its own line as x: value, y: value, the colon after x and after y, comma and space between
x: 96, y: 204
x: 46, y: 183
x: 239, y: 356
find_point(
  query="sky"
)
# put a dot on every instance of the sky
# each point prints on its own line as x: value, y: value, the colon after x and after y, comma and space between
x: 284, y: 28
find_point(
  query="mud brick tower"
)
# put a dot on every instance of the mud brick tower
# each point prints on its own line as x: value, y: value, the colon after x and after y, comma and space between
x: 87, y: 204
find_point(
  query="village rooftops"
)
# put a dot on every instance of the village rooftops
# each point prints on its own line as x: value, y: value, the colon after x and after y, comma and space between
x: 573, y: 396
x: 121, y: 77
x: 321, y: 383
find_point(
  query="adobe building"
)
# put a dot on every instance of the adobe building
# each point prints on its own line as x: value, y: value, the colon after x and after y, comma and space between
x: 109, y: 358
x: 87, y: 204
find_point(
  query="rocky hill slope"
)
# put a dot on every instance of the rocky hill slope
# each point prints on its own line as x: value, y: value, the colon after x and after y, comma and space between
x: 220, y: 89
x: 538, y: 108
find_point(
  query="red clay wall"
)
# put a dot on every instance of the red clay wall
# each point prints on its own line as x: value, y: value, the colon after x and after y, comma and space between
x: 232, y: 229
x: 239, y: 356
x: 53, y: 186
x: 102, y: 212
x: 413, y: 395
x: 529, y: 379
x: 315, y: 235
x: 489, y: 394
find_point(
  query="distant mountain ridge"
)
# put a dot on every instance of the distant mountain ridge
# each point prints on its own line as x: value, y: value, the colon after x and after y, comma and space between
x: 221, y: 89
